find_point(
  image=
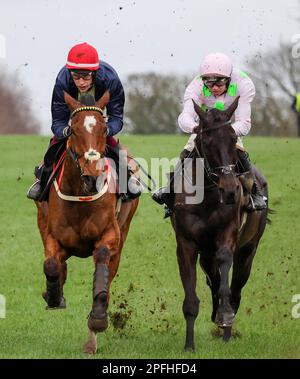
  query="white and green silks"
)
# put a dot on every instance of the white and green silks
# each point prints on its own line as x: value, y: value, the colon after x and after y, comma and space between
x: 240, y: 85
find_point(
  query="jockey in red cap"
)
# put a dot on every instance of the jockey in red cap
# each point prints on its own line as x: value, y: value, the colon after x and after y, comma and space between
x: 83, y: 73
x: 83, y: 57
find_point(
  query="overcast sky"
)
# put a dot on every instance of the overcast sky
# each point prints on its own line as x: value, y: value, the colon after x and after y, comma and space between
x: 135, y: 36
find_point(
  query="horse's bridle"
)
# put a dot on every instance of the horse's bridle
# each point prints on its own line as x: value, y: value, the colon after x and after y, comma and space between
x: 224, y: 170
x: 70, y: 151
x: 86, y: 108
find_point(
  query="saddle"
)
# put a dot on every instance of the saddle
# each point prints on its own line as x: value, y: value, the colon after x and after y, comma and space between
x: 49, y: 169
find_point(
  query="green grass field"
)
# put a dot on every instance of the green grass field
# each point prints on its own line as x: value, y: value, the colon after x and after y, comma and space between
x: 147, y: 291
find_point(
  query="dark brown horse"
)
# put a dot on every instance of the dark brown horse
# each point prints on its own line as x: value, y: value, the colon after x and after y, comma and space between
x: 76, y: 221
x: 218, y: 229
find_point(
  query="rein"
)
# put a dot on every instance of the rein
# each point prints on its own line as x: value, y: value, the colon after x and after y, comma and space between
x: 87, y: 198
x: 75, y: 157
x: 225, y: 170
x: 147, y: 174
x: 216, y: 127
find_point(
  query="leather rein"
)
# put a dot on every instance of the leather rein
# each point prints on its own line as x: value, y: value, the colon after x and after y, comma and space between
x: 223, y: 170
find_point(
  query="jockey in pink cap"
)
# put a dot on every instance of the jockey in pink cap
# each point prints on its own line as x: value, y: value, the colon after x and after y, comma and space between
x: 216, y: 63
x: 217, y: 86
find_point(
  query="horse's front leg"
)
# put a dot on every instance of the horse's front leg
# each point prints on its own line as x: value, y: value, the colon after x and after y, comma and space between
x: 209, y: 266
x: 225, y: 314
x: 187, y: 258
x: 106, y: 251
x: 55, y: 269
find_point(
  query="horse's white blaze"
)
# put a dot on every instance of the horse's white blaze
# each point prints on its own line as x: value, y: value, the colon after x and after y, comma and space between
x: 92, y: 155
x: 89, y: 122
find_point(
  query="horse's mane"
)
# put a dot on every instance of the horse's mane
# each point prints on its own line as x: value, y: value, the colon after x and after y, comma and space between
x: 87, y: 99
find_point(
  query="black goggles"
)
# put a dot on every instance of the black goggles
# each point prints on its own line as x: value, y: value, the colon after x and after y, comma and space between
x: 215, y: 81
x: 85, y: 75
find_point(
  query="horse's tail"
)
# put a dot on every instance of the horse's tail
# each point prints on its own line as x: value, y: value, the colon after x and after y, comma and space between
x: 270, y: 212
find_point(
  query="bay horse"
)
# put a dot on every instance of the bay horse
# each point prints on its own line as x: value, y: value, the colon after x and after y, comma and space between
x: 218, y: 229
x: 76, y: 222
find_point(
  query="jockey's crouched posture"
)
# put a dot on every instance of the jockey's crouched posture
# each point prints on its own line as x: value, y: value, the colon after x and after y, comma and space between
x: 83, y: 73
x: 217, y: 86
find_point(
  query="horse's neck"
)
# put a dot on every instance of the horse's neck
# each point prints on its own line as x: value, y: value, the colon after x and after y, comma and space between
x: 70, y: 182
x: 208, y: 182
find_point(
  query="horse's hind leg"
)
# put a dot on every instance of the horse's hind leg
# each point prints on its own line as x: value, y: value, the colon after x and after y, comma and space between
x: 42, y: 208
x: 242, y: 264
x: 187, y: 258
x: 55, y: 272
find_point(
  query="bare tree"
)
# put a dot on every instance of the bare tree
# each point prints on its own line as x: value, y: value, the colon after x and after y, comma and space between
x: 15, y: 113
x: 276, y: 75
x: 153, y: 102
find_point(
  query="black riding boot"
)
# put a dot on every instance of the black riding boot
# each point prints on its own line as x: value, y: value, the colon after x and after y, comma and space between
x: 36, y: 189
x: 42, y: 173
x: 257, y: 199
x: 165, y: 195
x: 133, y: 187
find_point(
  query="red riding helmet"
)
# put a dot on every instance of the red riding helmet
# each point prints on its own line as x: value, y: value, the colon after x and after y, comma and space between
x: 83, y: 57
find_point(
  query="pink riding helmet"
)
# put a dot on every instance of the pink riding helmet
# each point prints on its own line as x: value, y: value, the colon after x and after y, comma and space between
x: 217, y: 64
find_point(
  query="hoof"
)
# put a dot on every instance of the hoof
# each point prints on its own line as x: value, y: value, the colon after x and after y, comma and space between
x: 190, y: 349
x: 224, y: 319
x: 97, y: 324
x: 61, y: 305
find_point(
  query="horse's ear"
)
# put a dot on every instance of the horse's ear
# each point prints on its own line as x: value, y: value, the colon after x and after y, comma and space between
x: 71, y: 103
x: 103, y: 101
x: 200, y: 113
x: 230, y: 111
